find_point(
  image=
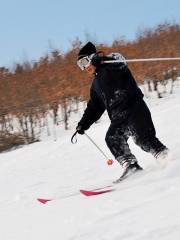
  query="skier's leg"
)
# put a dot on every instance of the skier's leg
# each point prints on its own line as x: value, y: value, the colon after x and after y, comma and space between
x: 143, y: 131
x: 116, y: 140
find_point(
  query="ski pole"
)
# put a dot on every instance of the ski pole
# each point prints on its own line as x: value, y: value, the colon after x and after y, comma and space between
x: 109, y: 161
x: 143, y: 60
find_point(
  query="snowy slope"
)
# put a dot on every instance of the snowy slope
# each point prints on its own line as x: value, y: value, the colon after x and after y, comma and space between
x: 144, y: 207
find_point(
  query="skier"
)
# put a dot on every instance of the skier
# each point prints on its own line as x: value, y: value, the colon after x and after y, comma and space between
x: 114, y: 89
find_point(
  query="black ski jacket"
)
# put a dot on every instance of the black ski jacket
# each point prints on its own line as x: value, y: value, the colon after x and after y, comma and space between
x: 113, y: 89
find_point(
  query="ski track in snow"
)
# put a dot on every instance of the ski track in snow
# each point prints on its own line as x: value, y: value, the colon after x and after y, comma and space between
x: 143, y: 207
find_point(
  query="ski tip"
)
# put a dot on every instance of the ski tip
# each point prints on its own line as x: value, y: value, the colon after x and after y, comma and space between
x: 43, y: 201
x: 88, y: 193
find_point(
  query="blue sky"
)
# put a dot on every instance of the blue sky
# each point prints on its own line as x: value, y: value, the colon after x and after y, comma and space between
x: 29, y: 29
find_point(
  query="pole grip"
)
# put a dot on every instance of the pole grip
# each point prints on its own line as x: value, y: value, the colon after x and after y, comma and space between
x: 74, y: 137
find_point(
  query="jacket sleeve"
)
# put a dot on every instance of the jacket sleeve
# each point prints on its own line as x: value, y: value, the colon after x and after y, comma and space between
x: 94, y: 110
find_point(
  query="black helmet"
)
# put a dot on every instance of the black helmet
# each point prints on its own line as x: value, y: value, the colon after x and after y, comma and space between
x: 87, y: 50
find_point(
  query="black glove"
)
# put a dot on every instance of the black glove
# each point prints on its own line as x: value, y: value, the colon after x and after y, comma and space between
x: 80, y: 129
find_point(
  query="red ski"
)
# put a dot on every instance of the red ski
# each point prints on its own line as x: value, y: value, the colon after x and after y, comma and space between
x: 43, y: 200
x: 89, y: 193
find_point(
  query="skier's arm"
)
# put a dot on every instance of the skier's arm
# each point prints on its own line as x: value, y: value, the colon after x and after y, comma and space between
x: 94, y: 110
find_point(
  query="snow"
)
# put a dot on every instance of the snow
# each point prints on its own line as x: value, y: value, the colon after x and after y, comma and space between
x: 145, y: 206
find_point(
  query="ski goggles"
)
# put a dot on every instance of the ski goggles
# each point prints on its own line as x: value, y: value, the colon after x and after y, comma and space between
x: 85, y: 62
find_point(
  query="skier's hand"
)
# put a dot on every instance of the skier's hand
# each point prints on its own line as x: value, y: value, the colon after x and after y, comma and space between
x: 80, y: 129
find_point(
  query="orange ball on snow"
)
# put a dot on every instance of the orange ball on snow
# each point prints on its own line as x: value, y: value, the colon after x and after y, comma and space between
x: 110, y: 162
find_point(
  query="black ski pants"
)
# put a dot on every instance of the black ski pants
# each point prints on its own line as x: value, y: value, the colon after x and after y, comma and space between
x: 140, y: 127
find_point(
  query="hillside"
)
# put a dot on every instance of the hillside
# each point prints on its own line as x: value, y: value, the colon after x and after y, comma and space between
x: 145, y: 207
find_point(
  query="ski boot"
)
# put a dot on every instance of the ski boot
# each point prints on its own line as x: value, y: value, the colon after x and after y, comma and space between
x: 128, y: 169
